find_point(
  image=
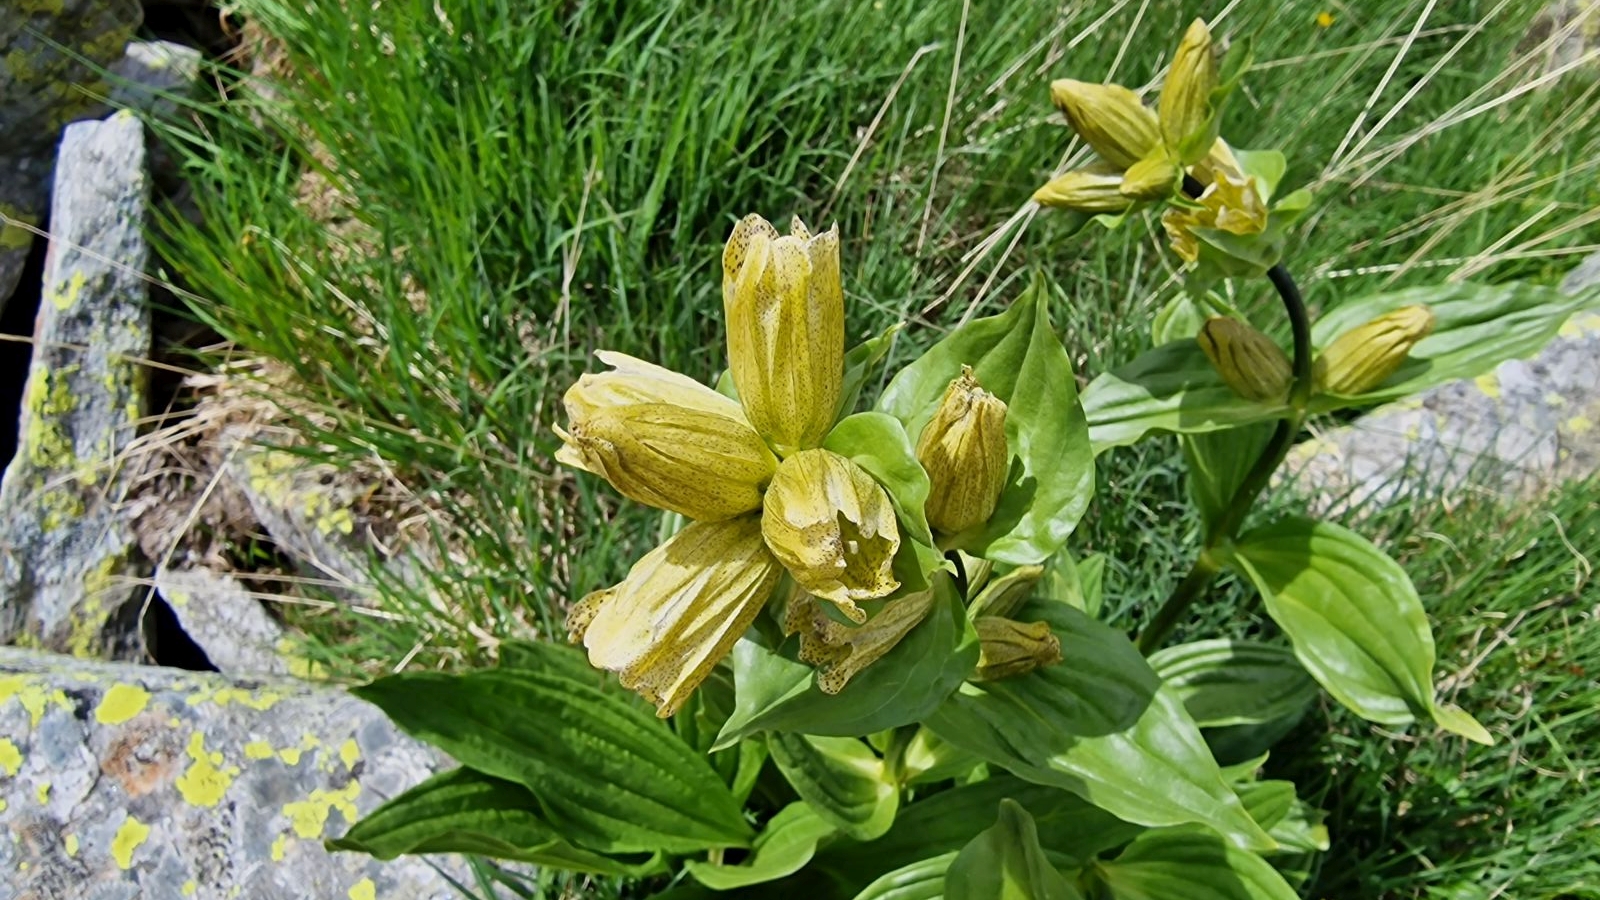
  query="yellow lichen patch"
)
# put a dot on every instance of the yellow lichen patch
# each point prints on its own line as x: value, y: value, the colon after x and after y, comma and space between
x: 206, y: 779
x: 338, y: 520
x: 60, y: 507
x: 1489, y: 384
x: 260, y: 701
x: 129, y: 836
x: 189, y: 887
x: 68, y: 295
x: 258, y: 750
x: 89, y: 618
x: 33, y: 695
x: 1579, y: 424
x: 69, y: 846
x: 349, y: 753
x: 363, y: 890
x: 1579, y: 325
x: 47, y: 445
x: 10, y: 757
x: 179, y: 599
x: 310, y: 816
x: 1553, y: 399
x: 291, y: 755
x: 121, y: 703
x: 42, y: 792
x: 279, y: 844
x: 3, y: 804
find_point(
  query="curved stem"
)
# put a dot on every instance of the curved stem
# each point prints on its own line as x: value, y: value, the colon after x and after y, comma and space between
x: 1272, y: 455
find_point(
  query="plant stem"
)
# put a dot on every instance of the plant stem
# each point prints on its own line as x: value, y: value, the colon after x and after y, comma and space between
x: 1244, y: 497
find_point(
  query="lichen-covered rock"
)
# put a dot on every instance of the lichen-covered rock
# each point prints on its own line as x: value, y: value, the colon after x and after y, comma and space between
x: 1525, y: 426
x: 142, y: 782
x: 66, y: 556
x: 49, y: 54
x: 153, y: 76
x: 224, y: 620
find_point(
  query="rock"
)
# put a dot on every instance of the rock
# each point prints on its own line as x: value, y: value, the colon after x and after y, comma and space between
x: 153, y: 76
x: 1520, y: 429
x: 51, y: 52
x: 1562, y: 34
x: 224, y: 620
x: 66, y: 557
x: 122, y: 781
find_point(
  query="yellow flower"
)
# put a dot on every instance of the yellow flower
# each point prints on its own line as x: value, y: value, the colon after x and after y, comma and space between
x: 1095, y: 189
x: 833, y: 528
x: 1251, y: 364
x: 839, y: 651
x: 1151, y: 178
x: 963, y: 449
x: 785, y: 312
x: 1365, y: 356
x: 663, y: 440
x: 680, y: 610
x: 1325, y: 19
x: 1185, y: 101
x: 1231, y: 203
x: 1008, y: 648
x: 1109, y: 118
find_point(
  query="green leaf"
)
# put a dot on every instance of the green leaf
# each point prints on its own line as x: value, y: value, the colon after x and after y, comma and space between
x: 1217, y: 463
x: 1017, y: 357
x: 859, y: 363
x: 1068, y: 826
x: 878, y: 443
x: 783, y: 848
x: 921, y: 880
x: 1180, y: 319
x: 1100, y: 725
x: 1223, y: 682
x: 1182, y: 864
x: 1092, y: 580
x: 608, y: 775
x: 464, y: 811
x: 1006, y: 863
x: 1354, y: 618
x: 1476, y: 327
x: 928, y: 758
x: 1268, y: 802
x: 1170, y: 388
x: 843, y: 780
x: 777, y: 692
x: 1266, y: 166
x: 1301, y: 830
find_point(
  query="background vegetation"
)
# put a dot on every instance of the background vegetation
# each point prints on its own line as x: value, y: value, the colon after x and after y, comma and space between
x: 441, y: 209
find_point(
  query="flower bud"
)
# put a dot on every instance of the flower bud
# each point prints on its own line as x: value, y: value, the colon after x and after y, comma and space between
x: 1365, y: 356
x: 785, y: 311
x: 665, y: 440
x: 1109, y: 118
x: 963, y: 448
x: 1185, y: 104
x: 1151, y: 178
x: 1006, y: 594
x: 839, y: 651
x: 1008, y: 648
x: 680, y: 610
x: 1096, y: 189
x: 833, y: 528
x: 1255, y: 367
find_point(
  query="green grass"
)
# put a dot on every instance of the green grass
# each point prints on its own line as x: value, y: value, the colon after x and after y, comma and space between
x: 537, y: 180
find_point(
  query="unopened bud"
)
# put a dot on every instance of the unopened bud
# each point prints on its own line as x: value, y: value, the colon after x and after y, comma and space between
x: 1365, y: 356
x: 1109, y: 118
x: 1255, y: 367
x: 1008, y: 648
x: 1096, y: 189
x: 1151, y: 178
x: 963, y: 448
x: 1006, y: 594
x: 1185, y: 105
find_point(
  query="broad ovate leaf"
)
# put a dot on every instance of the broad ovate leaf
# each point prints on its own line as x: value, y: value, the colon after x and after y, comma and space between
x: 1181, y: 864
x: 1006, y: 863
x: 1017, y: 357
x: 1354, y: 618
x: 843, y: 780
x: 1235, y: 682
x: 784, y: 846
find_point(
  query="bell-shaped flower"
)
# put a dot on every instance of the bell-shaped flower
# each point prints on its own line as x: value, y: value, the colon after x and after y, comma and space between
x: 666, y: 441
x: 839, y: 651
x: 1255, y: 367
x: 833, y: 528
x: 963, y: 449
x: 1231, y: 203
x: 1366, y: 355
x: 785, y: 313
x: 680, y: 610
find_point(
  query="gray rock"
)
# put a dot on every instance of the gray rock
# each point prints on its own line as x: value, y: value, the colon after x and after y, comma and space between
x: 143, y: 782
x: 50, y: 51
x: 1518, y: 430
x: 66, y: 557
x: 224, y: 620
x: 153, y: 76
